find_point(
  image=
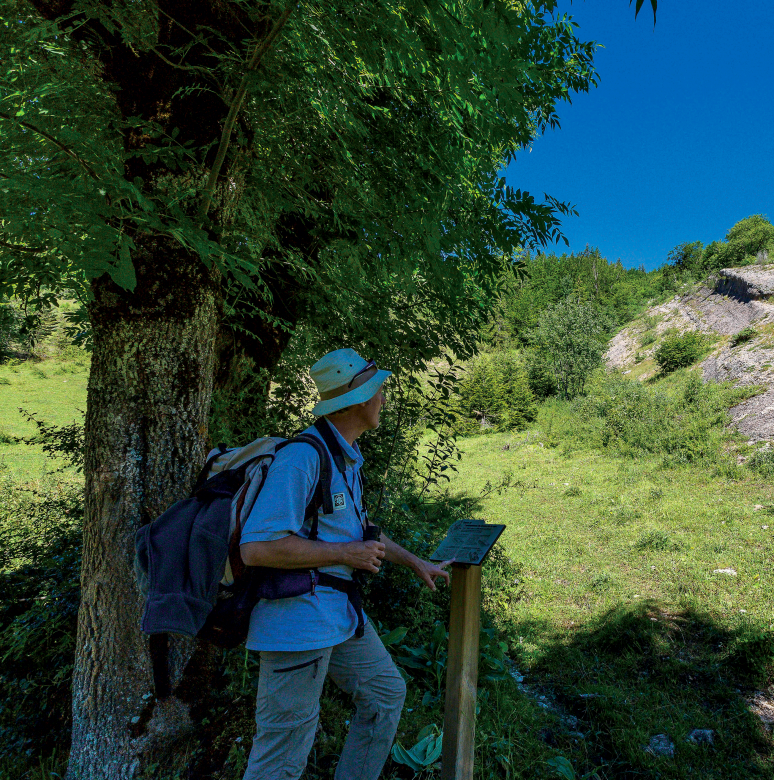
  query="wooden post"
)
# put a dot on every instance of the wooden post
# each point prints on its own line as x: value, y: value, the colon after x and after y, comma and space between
x: 459, y: 723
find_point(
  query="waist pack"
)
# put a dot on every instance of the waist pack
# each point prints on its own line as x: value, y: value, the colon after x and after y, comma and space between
x: 188, y: 563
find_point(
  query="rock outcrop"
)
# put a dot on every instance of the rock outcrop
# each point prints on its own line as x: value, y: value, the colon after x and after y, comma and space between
x: 751, y: 283
x: 736, y: 299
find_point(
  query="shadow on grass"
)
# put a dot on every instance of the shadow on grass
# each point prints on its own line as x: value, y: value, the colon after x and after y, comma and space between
x: 639, y: 671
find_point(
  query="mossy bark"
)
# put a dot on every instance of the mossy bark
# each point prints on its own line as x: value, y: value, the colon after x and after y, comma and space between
x: 146, y: 435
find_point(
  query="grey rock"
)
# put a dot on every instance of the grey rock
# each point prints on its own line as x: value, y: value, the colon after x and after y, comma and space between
x: 660, y: 745
x: 748, y: 283
x: 737, y: 298
x: 701, y: 737
x: 513, y: 670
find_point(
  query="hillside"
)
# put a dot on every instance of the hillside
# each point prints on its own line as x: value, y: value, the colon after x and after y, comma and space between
x: 735, y: 309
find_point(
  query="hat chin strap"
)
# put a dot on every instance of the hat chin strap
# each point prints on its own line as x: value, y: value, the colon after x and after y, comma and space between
x: 358, y: 381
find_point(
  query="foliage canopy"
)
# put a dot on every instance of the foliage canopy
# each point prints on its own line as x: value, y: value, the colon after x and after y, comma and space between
x: 572, y: 336
x: 749, y: 241
x: 359, y: 181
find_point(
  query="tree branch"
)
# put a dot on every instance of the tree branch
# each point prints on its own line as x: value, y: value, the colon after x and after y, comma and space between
x: 19, y: 248
x: 193, y: 68
x: 51, y: 139
x: 225, y: 139
x: 186, y: 30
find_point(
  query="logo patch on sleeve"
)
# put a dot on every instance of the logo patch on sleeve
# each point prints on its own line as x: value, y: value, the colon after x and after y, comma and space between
x: 339, y: 502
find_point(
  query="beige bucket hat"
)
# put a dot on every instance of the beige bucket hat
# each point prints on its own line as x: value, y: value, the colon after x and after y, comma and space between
x: 343, y: 378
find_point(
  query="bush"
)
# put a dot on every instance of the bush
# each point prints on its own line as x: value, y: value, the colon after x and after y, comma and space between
x: 571, y: 336
x: 496, y: 389
x: 679, y: 351
x: 744, y: 336
x: 539, y: 375
x: 685, y: 422
x: 39, y: 593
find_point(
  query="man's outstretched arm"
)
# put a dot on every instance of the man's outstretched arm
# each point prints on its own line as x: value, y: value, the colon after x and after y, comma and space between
x: 426, y: 571
x: 295, y: 552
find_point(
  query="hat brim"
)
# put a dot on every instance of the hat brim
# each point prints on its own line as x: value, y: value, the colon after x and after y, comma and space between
x: 355, y: 396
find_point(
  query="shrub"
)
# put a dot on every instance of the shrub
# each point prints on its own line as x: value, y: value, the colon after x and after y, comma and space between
x: 539, y: 375
x: 572, y: 337
x: 39, y: 592
x: 744, y: 335
x: 685, y: 423
x: 679, y: 351
x: 496, y: 388
x: 692, y: 389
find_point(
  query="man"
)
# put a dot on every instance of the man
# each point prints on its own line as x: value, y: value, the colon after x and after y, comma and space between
x: 302, y: 639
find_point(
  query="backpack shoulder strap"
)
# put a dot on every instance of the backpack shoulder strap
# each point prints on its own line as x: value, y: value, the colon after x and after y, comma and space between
x: 329, y: 437
x: 322, y: 495
x: 204, y: 473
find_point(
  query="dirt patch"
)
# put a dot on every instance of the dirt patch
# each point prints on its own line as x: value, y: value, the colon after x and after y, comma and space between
x: 762, y: 705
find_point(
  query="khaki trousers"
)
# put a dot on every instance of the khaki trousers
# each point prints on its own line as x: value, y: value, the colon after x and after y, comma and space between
x: 288, y: 708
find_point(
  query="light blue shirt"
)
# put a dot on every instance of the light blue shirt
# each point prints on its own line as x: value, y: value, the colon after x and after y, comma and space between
x: 307, y: 622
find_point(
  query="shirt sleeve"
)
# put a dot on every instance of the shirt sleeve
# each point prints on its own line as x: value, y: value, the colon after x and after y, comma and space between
x: 279, y: 507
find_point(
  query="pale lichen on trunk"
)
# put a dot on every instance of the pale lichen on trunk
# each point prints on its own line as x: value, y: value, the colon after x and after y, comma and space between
x: 146, y: 434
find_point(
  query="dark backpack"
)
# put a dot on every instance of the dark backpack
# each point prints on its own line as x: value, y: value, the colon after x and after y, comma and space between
x: 188, y: 561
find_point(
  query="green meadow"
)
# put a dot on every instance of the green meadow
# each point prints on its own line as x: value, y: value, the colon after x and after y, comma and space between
x: 643, y: 598
x: 630, y: 597
x: 54, y: 391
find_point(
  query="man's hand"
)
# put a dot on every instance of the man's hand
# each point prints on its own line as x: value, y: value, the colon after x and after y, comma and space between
x: 429, y: 572
x: 367, y: 556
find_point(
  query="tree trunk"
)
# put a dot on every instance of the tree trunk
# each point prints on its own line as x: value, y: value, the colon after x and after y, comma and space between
x: 146, y: 434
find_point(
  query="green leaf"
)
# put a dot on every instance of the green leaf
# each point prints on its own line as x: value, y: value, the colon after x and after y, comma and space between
x: 122, y: 272
x: 401, y: 756
x: 412, y: 663
x: 562, y: 767
x: 394, y: 636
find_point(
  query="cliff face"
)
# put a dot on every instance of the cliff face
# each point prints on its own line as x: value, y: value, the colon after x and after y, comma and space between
x: 752, y: 283
x: 738, y: 298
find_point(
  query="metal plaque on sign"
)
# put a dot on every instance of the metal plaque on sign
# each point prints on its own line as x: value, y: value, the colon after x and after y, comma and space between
x: 468, y: 541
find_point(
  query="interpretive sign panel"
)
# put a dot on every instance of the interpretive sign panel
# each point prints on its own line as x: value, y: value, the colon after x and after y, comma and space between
x: 468, y: 541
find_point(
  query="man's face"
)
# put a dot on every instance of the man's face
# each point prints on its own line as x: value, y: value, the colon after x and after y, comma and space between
x: 373, y: 408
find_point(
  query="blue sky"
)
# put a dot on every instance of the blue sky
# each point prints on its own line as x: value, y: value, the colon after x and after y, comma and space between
x: 677, y: 141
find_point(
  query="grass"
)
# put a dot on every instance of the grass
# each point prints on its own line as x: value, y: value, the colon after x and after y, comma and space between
x: 765, y: 339
x: 611, y: 607
x: 622, y: 618
x: 659, y: 533
x: 54, y: 390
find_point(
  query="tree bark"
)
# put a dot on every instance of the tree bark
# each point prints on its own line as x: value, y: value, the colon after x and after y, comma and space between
x: 146, y: 434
